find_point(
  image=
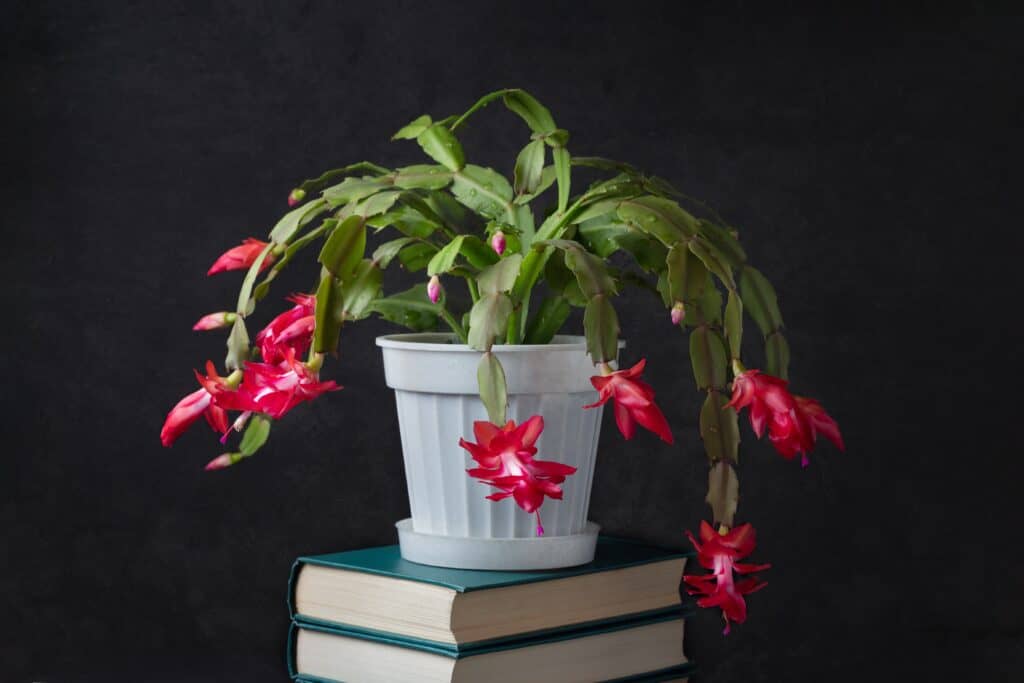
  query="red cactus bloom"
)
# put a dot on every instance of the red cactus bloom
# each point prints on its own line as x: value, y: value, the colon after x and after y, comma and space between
x: 505, y: 459
x: 719, y: 552
x: 293, y: 329
x: 819, y: 421
x: 276, y: 389
x: 793, y: 422
x: 634, y: 402
x: 198, y: 403
x: 241, y: 257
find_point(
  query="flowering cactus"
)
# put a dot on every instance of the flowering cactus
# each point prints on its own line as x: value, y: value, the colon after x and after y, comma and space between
x: 461, y: 222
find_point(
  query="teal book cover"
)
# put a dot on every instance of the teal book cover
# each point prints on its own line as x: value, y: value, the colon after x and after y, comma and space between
x: 612, y: 553
x: 671, y: 673
x: 674, y: 673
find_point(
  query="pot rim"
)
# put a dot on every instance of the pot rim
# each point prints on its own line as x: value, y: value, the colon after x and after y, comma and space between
x: 442, y: 341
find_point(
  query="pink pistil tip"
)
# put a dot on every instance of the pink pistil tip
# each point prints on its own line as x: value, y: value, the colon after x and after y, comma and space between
x: 540, y: 527
x: 498, y: 242
x: 804, y: 462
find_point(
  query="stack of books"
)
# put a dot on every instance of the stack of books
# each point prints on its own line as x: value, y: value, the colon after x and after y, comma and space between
x: 369, y: 616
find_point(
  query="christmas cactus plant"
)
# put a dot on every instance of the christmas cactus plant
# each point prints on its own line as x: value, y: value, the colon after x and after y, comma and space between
x: 463, y: 225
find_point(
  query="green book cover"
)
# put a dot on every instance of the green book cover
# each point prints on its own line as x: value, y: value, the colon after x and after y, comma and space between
x: 660, y: 675
x: 671, y: 674
x: 612, y: 553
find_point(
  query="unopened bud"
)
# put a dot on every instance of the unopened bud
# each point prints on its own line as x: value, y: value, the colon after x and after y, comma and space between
x: 296, y: 196
x: 214, y: 321
x: 498, y: 242
x: 222, y: 461
x: 678, y: 313
x: 434, y: 289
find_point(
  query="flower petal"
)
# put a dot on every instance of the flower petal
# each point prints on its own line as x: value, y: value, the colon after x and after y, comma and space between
x: 529, y: 431
x: 528, y: 498
x: 183, y: 414
x: 624, y: 420
x: 485, y: 431
x: 653, y: 419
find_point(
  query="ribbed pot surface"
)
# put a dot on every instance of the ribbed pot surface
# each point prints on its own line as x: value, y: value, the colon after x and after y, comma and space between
x: 436, y: 394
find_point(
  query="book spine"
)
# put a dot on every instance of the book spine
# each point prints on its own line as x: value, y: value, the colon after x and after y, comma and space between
x: 292, y: 578
x: 293, y: 634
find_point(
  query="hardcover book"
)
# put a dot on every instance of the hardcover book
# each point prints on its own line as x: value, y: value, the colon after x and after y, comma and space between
x: 645, y: 649
x: 375, y: 592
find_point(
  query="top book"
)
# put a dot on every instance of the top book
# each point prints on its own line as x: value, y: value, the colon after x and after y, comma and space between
x: 376, y: 590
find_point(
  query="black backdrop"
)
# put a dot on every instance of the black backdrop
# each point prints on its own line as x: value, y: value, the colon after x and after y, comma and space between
x: 866, y: 160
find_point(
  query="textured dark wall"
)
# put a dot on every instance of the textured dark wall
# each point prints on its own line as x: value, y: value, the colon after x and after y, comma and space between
x: 866, y: 160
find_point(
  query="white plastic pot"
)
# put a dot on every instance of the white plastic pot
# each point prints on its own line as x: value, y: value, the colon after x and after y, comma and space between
x: 452, y: 523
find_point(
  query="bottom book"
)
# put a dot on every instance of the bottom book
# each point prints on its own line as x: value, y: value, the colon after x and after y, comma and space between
x: 649, y: 649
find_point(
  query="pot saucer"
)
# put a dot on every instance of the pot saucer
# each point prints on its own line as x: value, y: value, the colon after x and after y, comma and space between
x: 506, y: 554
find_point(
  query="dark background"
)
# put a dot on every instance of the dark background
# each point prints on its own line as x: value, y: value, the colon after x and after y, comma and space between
x: 867, y: 161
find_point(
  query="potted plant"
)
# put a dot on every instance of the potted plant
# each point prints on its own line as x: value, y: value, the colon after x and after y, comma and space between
x: 500, y: 397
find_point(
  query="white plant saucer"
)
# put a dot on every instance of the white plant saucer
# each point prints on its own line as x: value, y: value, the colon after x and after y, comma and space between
x: 512, y: 554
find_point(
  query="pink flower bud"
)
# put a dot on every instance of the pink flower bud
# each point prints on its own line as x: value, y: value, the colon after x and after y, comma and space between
x: 434, y: 289
x: 296, y: 196
x: 222, y: 461
x: 498, y: 242
x: 214, y: 321
x: 678, y: 313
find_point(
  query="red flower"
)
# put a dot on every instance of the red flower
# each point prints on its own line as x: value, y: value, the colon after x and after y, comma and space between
x: 199, y: 402
x: 793, y: 422
x: 241, y: 257
x: 293, y: 329
x: 634, y: 402
x: 276, y: 389
x: 819, y: 421
x: 719, y: 553
x: 505, y: 455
